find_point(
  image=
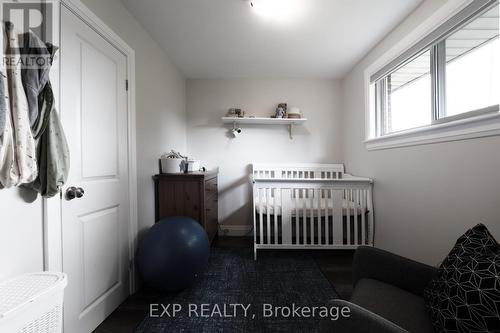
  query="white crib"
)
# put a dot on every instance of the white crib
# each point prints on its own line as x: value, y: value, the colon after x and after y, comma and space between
x: 310, y: 206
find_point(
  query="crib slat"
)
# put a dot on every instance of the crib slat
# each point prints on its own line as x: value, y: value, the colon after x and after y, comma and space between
x: 327, y: 214
x: 355, y: 205
x: 369, y: 227
x: 286, y: 217
x: 311, y: 217
x: 319, y: 200
x: 261, y: 227
x: 268, y: 217
x: 332, y: 204
x: 338, y: 197
x: 363, y: 213
x: 368, y: 217
x: 254, y: 225
x: 328, y: 198
x: 297, y: 217
x: 371, y: 218
x: 348, y: 216
x: 304, y: 217
x: 277, y: 196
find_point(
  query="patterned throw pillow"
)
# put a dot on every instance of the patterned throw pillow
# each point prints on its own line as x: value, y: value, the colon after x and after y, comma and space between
x: 465, y: 294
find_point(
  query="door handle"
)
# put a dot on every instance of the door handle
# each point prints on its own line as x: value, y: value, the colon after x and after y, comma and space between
x: 74, y: 192
x: 79, y: 192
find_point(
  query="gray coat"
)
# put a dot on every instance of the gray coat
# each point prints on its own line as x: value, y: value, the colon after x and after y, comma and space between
x: 37, y: 60
x: 51, y: 145
x: 52, y: 148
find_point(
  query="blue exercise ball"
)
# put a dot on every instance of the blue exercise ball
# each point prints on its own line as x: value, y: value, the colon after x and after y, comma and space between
x: 173, y: 253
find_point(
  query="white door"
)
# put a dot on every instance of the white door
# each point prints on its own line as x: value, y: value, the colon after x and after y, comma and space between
x: 94, y: 226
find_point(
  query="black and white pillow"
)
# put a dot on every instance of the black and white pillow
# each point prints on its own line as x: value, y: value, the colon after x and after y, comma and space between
x: 465, y: 294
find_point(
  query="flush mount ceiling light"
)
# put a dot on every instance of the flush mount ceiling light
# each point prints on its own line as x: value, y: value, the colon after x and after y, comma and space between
x: 275, y: 9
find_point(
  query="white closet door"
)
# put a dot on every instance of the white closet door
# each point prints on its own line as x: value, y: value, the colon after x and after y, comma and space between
x: 94, y: 226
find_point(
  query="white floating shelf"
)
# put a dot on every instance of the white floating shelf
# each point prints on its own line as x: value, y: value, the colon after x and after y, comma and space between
x: 290, y: 122
x: 263, y: 121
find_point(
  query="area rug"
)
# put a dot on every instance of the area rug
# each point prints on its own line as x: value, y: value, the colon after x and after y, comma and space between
x: 279, y: 291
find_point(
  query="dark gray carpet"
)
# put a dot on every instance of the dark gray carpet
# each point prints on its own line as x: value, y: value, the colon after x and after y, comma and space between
x: 233, y: 277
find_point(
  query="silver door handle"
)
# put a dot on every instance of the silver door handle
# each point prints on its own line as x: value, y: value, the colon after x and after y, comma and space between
x: 74, y: 192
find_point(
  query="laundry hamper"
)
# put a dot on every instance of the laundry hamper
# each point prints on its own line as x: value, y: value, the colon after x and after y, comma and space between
x: 32, y: 303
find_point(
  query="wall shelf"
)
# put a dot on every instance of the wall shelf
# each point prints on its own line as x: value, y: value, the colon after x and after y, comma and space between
x: 265, y: 121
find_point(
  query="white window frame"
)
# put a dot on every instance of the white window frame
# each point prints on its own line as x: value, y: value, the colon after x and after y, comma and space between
x: 474, y: 124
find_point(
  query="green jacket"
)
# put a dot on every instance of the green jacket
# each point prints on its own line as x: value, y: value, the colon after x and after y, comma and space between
x: 52, y: 147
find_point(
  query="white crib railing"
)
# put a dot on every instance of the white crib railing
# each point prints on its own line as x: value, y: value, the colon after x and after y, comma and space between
x: 297, y: 171
x: 311, y: 207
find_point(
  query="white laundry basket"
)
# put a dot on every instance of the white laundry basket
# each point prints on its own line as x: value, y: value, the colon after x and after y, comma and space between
x: 32, y: 303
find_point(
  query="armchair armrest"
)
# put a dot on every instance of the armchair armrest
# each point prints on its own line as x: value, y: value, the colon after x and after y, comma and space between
x: 360, y: 320
x: 390, y: 268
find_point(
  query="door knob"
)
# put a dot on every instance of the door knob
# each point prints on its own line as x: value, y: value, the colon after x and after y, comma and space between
x: 79, y: 192
x: 74, y: 192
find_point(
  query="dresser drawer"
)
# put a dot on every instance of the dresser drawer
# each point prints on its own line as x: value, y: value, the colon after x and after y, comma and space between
x: 211, y: 209
x: 211, y: 217
x: 210, y: 188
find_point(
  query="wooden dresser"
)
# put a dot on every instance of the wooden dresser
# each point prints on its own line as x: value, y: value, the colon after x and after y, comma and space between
x: 191, y: 194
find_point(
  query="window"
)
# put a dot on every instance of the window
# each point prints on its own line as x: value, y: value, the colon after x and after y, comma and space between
x: 451, y: 74
x: 412, y: 79
x: 472, y: 65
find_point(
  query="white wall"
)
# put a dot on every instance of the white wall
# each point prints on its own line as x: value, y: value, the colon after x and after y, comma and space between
x: 161, y: 111
x: 209, y: 140
x: 425, y: 196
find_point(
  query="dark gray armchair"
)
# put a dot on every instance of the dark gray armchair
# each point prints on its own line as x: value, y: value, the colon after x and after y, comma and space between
x: 387, y: 296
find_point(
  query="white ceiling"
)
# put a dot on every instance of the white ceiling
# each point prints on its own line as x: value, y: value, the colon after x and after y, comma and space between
x: 226, y: 38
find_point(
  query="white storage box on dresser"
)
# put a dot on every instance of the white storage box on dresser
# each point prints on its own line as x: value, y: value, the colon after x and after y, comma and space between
x: 310, y: 206
x: 32, y: 303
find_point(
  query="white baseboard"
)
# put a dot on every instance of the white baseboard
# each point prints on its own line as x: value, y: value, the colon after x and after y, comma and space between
x: 235, y: 230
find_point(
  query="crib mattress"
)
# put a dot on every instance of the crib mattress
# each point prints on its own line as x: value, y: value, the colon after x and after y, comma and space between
x: 326, y: 205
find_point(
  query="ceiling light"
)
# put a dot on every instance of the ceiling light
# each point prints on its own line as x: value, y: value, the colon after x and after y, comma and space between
x: 275, y: 9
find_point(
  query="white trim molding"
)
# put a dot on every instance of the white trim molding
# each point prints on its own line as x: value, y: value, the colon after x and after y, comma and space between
x: 468, y: 128
x: 235, y: 230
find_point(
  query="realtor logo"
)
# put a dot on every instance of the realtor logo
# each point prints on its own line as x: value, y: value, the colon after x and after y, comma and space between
x: 29, y: 51
x: 34, y: 16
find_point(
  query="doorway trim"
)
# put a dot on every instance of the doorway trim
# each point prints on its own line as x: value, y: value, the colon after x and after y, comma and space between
x: 52, y: 217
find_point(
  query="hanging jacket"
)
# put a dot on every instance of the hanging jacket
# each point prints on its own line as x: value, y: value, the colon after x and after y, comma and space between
x: 35, y: 70
x: 37, y: 57
x: 8, y: 171
x: 3, y: 106
x: 9, y: 174
x: 52, y: 147
x: 24, y: 145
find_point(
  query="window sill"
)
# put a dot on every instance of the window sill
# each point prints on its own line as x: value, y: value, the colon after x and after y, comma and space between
x: 477, y: 127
